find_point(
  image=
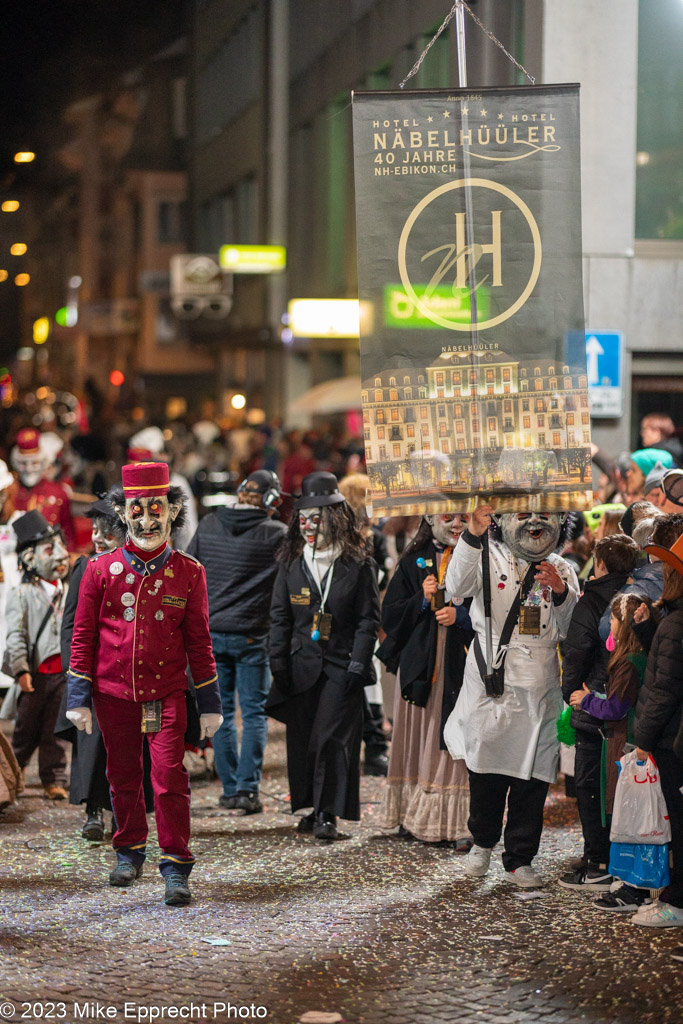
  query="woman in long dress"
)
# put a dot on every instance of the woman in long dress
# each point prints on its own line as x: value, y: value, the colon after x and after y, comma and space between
x: 427, y: 633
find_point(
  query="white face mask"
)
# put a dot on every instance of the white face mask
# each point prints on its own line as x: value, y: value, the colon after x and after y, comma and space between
x: 149, y: 521
x: 531, y: 536
x: 314, y: 526
x: 30, y: 469
x: 49, y: 559
x: 447, y: 528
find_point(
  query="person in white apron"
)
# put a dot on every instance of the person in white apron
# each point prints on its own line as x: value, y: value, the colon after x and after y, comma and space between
x: 509, y: 742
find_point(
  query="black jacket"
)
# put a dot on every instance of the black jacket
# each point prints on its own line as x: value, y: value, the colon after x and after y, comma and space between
x: 297, y: 660
x: 411, y: 636
x: 69, y: 614
x: 237, y: 545
x: 584, y: 655
x: 660, y: 702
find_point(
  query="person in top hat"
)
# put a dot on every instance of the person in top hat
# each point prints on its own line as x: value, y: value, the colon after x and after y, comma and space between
x: 30, y: 460
x: 237, y: 546
x: 142, y: 615
x: 88, y: 781
x: 34, y: 613
x: 324, y: 623
x: 657, y: 723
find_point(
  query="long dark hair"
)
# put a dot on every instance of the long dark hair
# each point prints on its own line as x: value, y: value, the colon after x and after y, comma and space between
x: 344, y: 533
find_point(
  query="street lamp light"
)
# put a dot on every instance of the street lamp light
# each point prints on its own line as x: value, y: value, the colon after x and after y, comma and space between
x: 10, y: 205
x: 18, y: 249
x: 22, y: 279
x: 3, y: 275
x: 25, y: 157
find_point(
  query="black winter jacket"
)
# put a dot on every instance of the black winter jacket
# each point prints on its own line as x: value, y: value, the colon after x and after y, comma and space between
x: 584, y: 655
x: 237, y: 545
x: 660, y: 702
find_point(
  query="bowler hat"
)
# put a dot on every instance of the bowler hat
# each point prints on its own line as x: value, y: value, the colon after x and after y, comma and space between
x: 31, y: 528
x: 319, y: 489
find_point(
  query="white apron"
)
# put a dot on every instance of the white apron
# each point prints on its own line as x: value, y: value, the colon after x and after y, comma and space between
x: 515, y: 734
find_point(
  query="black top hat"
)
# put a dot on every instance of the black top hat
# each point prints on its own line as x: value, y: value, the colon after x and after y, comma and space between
x: 101, y: 509
x: 317, y: 490
x: 31, y: 528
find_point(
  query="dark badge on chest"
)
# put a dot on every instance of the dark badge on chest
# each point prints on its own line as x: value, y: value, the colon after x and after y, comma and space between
x: 529, y: 621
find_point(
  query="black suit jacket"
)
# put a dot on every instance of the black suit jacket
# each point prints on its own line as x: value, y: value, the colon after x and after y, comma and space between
x: 297, y: 660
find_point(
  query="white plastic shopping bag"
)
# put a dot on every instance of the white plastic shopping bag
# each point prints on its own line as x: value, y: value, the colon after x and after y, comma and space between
x: 640, y: 814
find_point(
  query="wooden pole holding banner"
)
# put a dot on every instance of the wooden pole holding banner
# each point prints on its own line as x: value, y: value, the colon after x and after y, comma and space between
x: 472, y: 284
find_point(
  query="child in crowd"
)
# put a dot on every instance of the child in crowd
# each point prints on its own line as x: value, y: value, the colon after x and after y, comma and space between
x: 585, y: 664
x: 625, y: 671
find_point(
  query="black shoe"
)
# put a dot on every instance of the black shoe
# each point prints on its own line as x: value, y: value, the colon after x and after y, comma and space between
x: 124, y: 874
x: 403, y: 833
x: 248, y: 802
x: 229, y: 802
x: 177, y: 892
x: 325, y: 826
x: 306, y: 823
x: 626, y: 898
x: 588, y: 878
x: 377, y: 765
x: 94, y: 827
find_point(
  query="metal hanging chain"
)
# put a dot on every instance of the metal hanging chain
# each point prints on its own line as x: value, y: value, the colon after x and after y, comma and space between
x: 461, y: 3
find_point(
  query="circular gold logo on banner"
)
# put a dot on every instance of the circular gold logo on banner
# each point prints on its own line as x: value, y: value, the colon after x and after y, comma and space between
x: 535, y: 269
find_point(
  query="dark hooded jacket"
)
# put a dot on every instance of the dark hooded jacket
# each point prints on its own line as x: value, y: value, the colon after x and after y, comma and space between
x: 237, y: 546
x: 660, y: 702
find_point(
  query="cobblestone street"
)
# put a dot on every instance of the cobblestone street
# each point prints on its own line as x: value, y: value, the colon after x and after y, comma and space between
x: 377, y: 929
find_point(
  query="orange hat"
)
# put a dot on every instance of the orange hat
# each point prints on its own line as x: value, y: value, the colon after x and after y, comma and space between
x: 28, y: 441
x: 673, y: 556
x: 145, y: 480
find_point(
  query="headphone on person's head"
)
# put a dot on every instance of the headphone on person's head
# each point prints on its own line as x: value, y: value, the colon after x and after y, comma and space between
x: 272, y: 497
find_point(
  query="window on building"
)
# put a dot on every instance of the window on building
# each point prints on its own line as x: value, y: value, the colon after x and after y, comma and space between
x: 461, y: 444
x: 556, y: 439
x: 459, y: 427
x: 477, y: 442
x: 553, y: 384
x: 585, y: 417
x: 456, y: 378
x: 567, y: 383
x: 439, y: 377
x: 525, y: 385
x: 444, y: 447
x: 457, y: 410
x: 423, y: 412
x: 382, y: 451
x: 492, y: 424
x: 570, y: 435
x: 407, y: 394
x: 426, y: 446
x: 586, y: 436
x: 489, y: 389
x: 507, y: 374
x: 423, y: 392
x: 541, y: 421
x: 394, y: 415
x: 393, y: 395
x: 507, y: 405
x: 526, y: 422
x: 406, y: 380
x: 474, y: 406
x: 381, y: 431
x: 537, y: 371
x: 442, y: 410
x: 541, y: 440
x: 379, y: 416
x: 366, y: 434
x: 659, y: 156
x: 489, y: 376
x: 539, y: 384
x: 475, y: 426
x: 525, y: 404
x: 527, y: 441
x: 570, y: 419
x: 440, y: 393
x: 443, y: 430
x: 420, y: 379
x: 366, y: 416
x: 410, y: 430
x: 363, y: 396
x: 397, y: 450
x: 539, y: 405
x: 379, y: 396
x: 392, y: 382
x: 583, y: 382
x: 378, y: 382
x: 584, y: 401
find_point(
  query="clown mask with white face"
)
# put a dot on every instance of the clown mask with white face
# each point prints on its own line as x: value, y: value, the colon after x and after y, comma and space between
x: 30, y: 469
x: 314, y: 526
x: 447, y: 528
x: 531, y: 536
x: 149, y: 520
x: 48, y: 559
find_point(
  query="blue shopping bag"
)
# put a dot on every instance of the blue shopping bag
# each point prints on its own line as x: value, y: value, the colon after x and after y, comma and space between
x: 642, y: 864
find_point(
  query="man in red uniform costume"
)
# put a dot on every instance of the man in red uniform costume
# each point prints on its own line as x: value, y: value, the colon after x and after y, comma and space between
x: 142, y: 615
x: 37, y: 492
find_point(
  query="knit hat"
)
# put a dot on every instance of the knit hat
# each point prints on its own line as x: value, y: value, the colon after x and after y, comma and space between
x: 145, y: 480
x: 647, y: 458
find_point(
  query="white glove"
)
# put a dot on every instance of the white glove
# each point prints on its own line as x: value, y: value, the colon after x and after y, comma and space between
x: 81, y: 718
x: 209, y: 725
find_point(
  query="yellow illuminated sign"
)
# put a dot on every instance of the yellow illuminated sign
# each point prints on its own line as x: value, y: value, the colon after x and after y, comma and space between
x: 253, y: 259
x: 324, y: 318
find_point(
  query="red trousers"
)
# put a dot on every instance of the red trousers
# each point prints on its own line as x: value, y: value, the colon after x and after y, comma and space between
x: 120, y: 726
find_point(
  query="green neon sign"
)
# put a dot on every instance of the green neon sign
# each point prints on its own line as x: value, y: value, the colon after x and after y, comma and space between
x: 448, y: 302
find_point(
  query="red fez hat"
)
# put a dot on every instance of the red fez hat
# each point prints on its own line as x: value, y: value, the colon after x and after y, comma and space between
x: 28, y: 441
x: 145, y: 480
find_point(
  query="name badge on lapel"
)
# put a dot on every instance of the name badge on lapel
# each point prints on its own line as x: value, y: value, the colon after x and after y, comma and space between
x: 303, y: 598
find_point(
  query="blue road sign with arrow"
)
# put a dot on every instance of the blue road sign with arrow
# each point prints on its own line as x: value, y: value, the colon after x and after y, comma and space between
x: 604, y: 358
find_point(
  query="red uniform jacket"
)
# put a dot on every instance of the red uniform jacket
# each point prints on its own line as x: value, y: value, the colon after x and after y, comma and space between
x: 137, y: 625
x: 52, y: 501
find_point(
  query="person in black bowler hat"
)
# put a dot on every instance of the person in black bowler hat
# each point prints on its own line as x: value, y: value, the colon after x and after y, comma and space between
x: 324, y: 623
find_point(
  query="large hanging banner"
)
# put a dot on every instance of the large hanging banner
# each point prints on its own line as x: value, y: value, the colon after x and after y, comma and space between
x: 469, y: 198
